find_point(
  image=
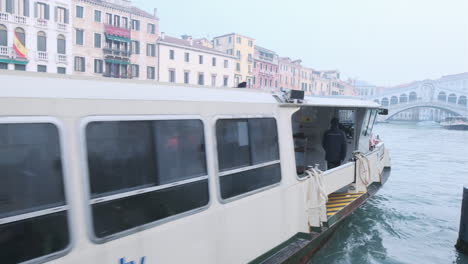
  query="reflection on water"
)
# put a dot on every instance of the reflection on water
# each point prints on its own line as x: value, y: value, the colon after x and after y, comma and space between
x: 415, y: 217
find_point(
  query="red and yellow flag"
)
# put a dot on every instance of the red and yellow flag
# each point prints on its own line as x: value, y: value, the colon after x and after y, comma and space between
x: 19, y: 48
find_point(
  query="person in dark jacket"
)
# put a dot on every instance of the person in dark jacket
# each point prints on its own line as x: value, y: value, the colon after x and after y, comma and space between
x: 334, y: 144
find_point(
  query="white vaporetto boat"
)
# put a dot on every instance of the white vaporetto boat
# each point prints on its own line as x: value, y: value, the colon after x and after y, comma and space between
x: 455, y: 123
x: 132, y: 172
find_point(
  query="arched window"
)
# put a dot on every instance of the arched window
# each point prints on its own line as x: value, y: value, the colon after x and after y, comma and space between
x: 377, y: 101
x: 3, y: 36
x: 452, y: 98
x: 442, y: 97
x: 385, y: 101
x: 394, y: 100
x: 462, y: 100
x: 21, y: 35
x: 403, y: 98
x: 413, y: 96
x: 41, y: 41
x: 61, y: 44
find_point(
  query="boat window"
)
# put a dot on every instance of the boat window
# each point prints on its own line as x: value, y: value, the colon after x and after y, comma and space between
x: 144, y: 171
x: 248, y: 155
x: 33, y: 212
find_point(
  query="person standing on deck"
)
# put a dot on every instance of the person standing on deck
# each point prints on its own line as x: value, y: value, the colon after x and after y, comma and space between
x: 334, y: 144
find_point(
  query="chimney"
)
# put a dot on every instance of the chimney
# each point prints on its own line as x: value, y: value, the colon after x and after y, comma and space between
x: 155, y: 12
x: 163, y: 35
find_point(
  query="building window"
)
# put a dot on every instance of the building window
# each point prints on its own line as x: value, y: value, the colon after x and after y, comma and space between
x: 42, y: 11
x: 150, y: 50
x: 201, y: 78
x: 225, y: 81
x: 226, y: 63
x: 125, y: 22
x: 150, y: 73
x: 33, y: 194
x: 79, y: 33
x: 79, y: 12
x: 97, y: 16
x: 136, y: 46
x: 250, y: 43
x: 171, y: 54
x: 98, y: 66
x: 21, y: 35
x: 230, y: 39
x: 213, y: 80
x: 3, y: 66
x: 116, y: 21
x: 79, y: 64
x: 187, y: 57
x: 239, y: 40
x: 238, y: 53
x: 61, y: 15
x: 135, y: 70
x: 186, y: 77
x: 97, y: 40
x: 243, y: 144
x: 135, y: 25
x: 61, y: 44
x: 41, y: 41
x: 151, y: 28
x: 149, y: 162
x: 213, y: 62
x: 237, y: 66
x: 20, y: 67
x: 200, y: 59
x: 3, y: 36
x: 41, y: 68
x: 172, y: 77
x: 108, y: 18
x: 61, y: 70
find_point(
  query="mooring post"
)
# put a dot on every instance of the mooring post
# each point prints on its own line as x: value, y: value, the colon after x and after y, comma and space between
x: 462, y: 244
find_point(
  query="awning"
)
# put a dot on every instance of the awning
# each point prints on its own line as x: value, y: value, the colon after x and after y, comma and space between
x: 21, y: 62
x: 117, y: 38
x: 117, y: 61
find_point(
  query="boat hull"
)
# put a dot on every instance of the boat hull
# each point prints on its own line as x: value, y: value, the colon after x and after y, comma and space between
x: 302, y: 247
x: 456, y: 127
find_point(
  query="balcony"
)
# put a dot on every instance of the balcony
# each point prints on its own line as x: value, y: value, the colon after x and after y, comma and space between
x: 42, y: 56
x: 62, y: 26
x: 5, y: 51
x: 116, y: 52
x: 4, y: 17
x: 62, y: 59
x: 42, y: 23
x: 20, y: 19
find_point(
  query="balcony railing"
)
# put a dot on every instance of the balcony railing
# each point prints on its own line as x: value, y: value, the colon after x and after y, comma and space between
x: 4, y: 16
x: 19, y: 19
x: 41, y: 23
x: 62, y: 26
x: 62, y: 59
x: 42, y: 56
x: 115, y: 52
x: 5, y: 51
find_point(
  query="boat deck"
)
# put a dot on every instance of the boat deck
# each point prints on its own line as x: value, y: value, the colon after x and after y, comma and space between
x: 339, y: 201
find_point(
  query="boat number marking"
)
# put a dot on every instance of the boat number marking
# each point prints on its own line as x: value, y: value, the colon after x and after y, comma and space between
x: 122, y: 261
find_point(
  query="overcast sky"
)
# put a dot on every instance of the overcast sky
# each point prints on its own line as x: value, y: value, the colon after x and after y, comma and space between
x: 385, y: 42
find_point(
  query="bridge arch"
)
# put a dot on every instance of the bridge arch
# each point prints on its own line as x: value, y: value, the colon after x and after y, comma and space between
x: 442, y: 97
x: 462, y: 100
x: 413, y: 96
x: 403, y: 98
x: 385, y: 101
x: 404, y: 109
x: 394, y: 100
x: 452, y: 98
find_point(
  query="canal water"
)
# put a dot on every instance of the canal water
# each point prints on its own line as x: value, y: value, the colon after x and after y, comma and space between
x: 415, y: 217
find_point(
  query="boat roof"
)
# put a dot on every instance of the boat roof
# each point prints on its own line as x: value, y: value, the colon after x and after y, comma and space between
x: 46, y: 85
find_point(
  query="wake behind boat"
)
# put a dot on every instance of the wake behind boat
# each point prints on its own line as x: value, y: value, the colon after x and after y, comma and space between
x: 103, y: 171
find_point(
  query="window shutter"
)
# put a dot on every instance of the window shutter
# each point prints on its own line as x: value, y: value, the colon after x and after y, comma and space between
x: 67, y: 14
x: 35, y: 9
x: 47, y: 12
x: 55, y: 14
x: 26, y: 8
x: 9, y: 6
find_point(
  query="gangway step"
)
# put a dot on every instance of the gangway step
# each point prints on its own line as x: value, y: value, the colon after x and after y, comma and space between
x: 341, y: 204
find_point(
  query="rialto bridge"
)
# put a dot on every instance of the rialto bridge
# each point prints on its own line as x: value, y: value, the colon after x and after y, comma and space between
x: 423, y: 101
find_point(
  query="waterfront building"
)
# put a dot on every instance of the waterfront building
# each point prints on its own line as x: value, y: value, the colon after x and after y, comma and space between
x: 243, y: 48
x: 363, y: 88
x: 289, y: 73
x: 306, y: 80
x: 35, y: 35
x: 114, y: 39
x: 189, y: 61
x: 265, y: 69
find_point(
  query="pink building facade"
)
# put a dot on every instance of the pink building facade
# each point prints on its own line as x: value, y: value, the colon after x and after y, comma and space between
x: 289, y: 73
x: 265, y: 69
